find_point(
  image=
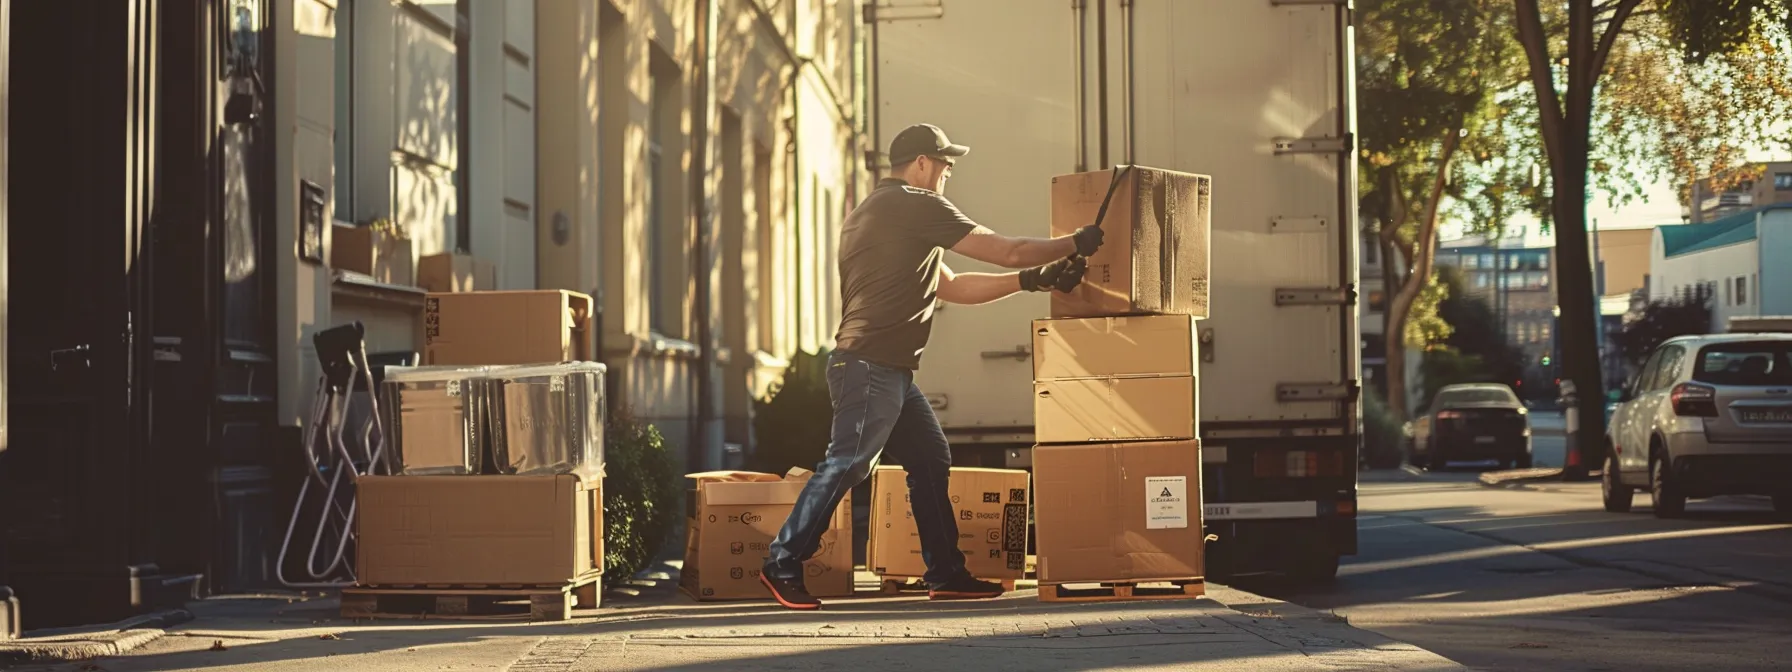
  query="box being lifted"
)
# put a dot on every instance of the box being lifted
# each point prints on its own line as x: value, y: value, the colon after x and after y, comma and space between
x: 1154, y: 258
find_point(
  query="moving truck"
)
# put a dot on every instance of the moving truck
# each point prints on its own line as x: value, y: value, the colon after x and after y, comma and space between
x: 1258, y: 94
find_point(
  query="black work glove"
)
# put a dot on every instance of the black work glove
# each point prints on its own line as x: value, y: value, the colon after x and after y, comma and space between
x: 1088, y: 240
x: 1063, y: 275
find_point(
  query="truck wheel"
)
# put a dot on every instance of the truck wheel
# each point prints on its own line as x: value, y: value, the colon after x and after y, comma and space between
x: 1321, y: 568
x: 1669, y: 501
x: 1617, y: 495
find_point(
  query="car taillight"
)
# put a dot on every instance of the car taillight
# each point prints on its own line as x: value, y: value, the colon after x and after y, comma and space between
x: 1448, y: 415
x: 1272, y: 463
x: 1695, y: 401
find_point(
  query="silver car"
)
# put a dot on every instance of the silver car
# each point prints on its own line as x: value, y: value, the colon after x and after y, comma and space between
x: 1706, y: 416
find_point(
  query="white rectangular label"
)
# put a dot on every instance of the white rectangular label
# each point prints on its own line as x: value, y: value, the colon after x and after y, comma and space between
x: 1166, y: 502
x: 1260, y: 510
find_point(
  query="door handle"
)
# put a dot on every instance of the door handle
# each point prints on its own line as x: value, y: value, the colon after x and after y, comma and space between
x: 82, y: 350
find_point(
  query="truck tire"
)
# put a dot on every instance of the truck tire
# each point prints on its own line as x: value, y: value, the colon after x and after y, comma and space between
x: 1317, y: 568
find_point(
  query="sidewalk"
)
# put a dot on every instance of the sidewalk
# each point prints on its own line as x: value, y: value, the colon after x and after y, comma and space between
x: 659, y: 629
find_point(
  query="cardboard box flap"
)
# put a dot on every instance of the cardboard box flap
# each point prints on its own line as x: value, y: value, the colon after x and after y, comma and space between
x: 728, y: 476
x: 751, y: 493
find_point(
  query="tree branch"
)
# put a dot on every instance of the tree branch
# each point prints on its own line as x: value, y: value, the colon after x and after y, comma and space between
x: 1531, y: 35
x: 1610, y: 36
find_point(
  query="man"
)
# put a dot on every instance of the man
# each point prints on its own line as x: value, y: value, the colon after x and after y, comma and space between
x: 892, y: 269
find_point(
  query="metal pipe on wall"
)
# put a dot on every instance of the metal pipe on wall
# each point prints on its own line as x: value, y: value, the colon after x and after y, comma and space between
x: 1126, y: 44
x: 701, y: 166
x: 1081, y: 8
x: 1101, y: 75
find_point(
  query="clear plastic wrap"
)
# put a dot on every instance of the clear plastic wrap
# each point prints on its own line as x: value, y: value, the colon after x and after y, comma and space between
x: 433, y: 417
x: 547, y: 419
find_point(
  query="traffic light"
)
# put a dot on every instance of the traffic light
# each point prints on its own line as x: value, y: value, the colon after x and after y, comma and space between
x: 1546, y: 360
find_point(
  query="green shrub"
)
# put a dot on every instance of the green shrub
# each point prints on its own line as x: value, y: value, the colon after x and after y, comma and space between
x: 641, y: 495
x: 1384, y: 438
x: 791, y: 425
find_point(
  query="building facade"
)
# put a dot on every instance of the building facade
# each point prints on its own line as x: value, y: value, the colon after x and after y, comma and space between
x: 1518, y: 283
x: 1771, y: 186
x: 1740, y: 261
x: 684, y: 162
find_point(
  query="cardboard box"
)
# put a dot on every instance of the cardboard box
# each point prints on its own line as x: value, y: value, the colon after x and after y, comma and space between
x: 1115, y: 409
x: 1154, y: 257
x: 1119, y: 512
x: 498, y: 328
x: 735, y: 515
x: 1098, y: 347
x: 991, y: 510
x: 362, y: 249
x: 450, y: 272
x: 458, y: 530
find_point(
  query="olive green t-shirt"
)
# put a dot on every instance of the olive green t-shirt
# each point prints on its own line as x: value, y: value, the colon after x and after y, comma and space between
x: 891, y: 249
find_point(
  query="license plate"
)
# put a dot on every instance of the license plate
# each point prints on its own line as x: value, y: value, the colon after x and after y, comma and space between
x: 1484, y: 439
x: 1765, y: 414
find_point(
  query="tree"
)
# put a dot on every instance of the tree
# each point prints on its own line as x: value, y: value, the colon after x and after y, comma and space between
x: 1664, y: 319
x: 1576, y: 39
x: 1429, y: 75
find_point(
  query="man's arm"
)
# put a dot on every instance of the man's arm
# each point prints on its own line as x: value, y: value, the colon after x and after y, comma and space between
x: 970, y: 289
x: 993, y: 248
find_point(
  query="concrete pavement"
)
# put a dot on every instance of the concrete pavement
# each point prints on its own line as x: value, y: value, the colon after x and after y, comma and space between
x: 658, y: 629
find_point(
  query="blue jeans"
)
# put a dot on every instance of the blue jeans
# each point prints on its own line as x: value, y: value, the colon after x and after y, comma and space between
x: 875, y: 405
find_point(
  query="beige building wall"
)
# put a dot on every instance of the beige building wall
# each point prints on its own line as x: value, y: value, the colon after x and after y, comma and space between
x: 582, y: 177
x: 1626, y: 256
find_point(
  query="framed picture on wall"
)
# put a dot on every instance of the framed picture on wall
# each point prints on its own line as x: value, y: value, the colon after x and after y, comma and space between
x: 311, y: 222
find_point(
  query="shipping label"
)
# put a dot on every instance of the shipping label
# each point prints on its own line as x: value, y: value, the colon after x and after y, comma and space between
x: 1166, y: 502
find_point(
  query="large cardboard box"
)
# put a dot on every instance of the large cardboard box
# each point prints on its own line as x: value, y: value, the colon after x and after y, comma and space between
x: 990, y: 506
x: 1115, y: 409
x: 459, y: 530
x: 372, y: 252
x: 498, y: 328
x: 451, y: 272
x: 1099, y: 347
x: 735, y: 515
x: 1119, y: 512
x: 1154, y: 257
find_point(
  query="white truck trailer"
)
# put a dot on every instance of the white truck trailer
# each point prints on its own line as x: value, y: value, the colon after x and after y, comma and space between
x: 1259, y: 94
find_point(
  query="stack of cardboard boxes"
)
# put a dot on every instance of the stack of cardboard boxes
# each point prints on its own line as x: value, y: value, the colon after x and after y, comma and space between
x: 1118, y: 465
x: 490, y: 478
x: 990, y: 507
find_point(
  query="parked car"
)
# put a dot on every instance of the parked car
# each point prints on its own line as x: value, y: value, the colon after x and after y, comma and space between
x: 1706, y: 416
x: 1472, y: 422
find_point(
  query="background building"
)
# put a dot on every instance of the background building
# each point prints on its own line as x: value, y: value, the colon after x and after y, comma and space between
x: 1773, y: 186
x: 1741, y: 260
x: 1518, y: 282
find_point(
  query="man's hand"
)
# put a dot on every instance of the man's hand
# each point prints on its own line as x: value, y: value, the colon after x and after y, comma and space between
x: 1063, y: 275
x: 1088, y: 240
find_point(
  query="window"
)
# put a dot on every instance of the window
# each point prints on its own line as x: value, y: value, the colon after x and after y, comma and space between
x: 1481, y: 281
x: 1513, y: 262
x: 1746, y: 363
x: 1487, y: 261
x: 1729, y: 298
x: 1475, y: 395
x: 345, y: 112
x: 1469, y: 262
x: 659, y: 310
x: 1741, y: 291
x: 1371, y: 251
x: 1782, y: 182
x: 1671, y: 359
x: 1543, y: 262
x: 1378, y: 300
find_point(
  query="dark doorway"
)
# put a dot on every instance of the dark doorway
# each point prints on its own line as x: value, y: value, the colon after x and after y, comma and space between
x: 141, y: 381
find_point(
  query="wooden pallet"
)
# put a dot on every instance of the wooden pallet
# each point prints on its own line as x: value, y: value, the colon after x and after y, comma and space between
x: 1121, y: 591
x: 897, y: 585
x: 473, y: 601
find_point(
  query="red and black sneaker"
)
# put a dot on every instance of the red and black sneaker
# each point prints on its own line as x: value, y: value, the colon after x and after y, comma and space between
x: 789, y: 593
x: 964, y: 588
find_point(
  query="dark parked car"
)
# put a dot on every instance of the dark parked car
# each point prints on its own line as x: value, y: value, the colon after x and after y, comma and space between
x: 1471, y: 423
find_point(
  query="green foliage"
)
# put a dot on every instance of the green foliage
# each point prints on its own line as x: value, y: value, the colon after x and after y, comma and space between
x: 1445, y: 366
x: 791, y: 426
x: 1476, y: 330
x: 641, y: 495
x: 1662, y: 320
x: 1424, y: 326
x: 1384, y: 436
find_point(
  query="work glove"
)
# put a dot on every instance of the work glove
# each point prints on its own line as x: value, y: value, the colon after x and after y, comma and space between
x: 1063, y: 275
x: 1088, y: 240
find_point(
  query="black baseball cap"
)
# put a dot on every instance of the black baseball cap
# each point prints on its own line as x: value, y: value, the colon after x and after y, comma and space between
x: 922, y: 140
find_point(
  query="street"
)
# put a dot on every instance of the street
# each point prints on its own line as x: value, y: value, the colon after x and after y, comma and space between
x: 1540, y: 577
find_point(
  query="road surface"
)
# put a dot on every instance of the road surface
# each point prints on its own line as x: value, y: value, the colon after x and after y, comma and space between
x: 1542, y: 578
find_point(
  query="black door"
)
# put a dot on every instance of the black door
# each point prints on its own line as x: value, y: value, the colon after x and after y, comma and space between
x: 80, y: 509
x: 214, y: 373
